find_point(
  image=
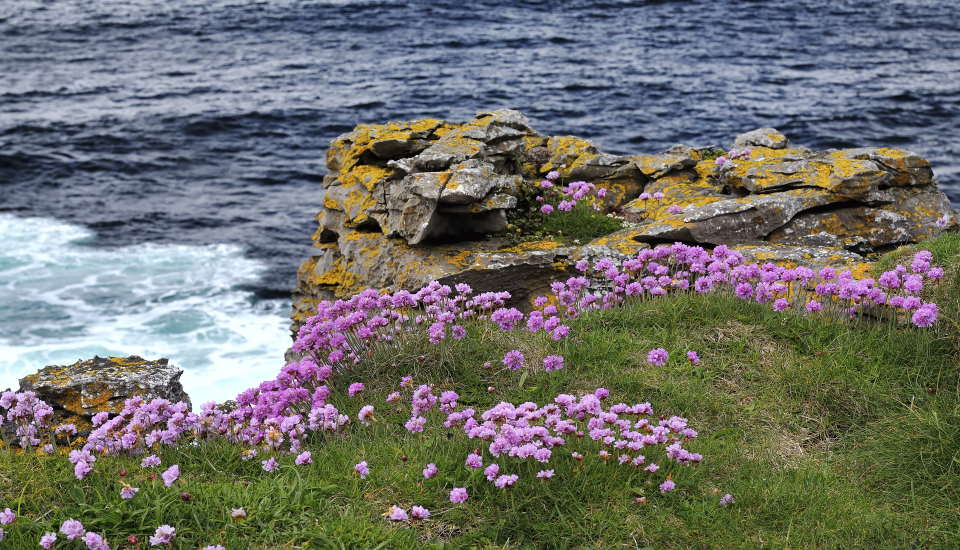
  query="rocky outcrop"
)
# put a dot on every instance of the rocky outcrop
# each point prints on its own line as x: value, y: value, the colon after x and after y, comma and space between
x: 78, y: 391
x: 406, y: 203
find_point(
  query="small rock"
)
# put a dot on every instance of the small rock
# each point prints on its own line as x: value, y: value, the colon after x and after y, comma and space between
x: 78, y: 391
x: 761, y: 137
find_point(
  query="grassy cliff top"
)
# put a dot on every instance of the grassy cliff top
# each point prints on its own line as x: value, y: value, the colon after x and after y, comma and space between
x: 827, y: 433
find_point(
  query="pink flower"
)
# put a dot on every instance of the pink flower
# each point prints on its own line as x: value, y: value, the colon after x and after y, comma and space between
x: 545, y: 474
x: 491, y: 471
x: 362, y: 469
x: 170, y: 475
x: 150, y: 461
x: 513, y: 359
x: 667, y: 486
x: 397, y: 513
x: 726, y: 500
x: 506, y: 481
x: 693, y: 357
x: 674, y: 209
x: 601, y: 192
x: 355, y: 388
x: 127, y: 493
x: 95, y: 541
x: 552, y: 363
x: 474, y: 461
x: 7, y: 516
x: 48, y: 539
x: 658, y: 195
x: 419, y: 512
x: 553, y: 175
x: 365, y: 415
x: 546, y: 209
x: 458, y: 495
x: 393, y: 397
x: 269, y: 464
x: 658, y: 357
x: 163, y: 535
x: 238, y: 513
x: 72, y: 529
x: 430, y: 471
x: 304, y: 458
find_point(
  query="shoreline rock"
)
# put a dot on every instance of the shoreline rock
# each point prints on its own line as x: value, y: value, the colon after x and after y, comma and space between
x: 79, y: 391
x: 406, y: 203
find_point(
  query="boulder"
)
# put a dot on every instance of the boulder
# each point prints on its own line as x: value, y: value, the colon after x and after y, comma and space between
x: 406, y: 203
x: 78, y: 391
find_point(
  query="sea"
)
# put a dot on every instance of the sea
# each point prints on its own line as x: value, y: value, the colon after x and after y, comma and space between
x: 161, y: 161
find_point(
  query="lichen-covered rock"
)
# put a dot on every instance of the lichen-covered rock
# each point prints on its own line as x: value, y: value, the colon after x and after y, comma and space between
x: 761, y: 137
x: 78, y: 391
x: 406, y: 203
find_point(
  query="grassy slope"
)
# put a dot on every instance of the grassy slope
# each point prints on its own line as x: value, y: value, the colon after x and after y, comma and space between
x: 829, y: 434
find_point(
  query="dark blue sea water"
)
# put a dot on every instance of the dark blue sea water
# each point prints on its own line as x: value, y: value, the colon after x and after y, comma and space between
x: 196, y: 128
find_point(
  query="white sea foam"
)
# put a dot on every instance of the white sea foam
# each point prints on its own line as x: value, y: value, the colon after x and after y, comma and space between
x: 63, y: 299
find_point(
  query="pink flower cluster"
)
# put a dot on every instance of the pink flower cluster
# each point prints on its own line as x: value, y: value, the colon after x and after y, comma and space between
x: 564, y: 198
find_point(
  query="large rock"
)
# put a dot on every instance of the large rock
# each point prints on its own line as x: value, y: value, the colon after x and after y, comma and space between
x: 78, y: 391
x: 406, y: 203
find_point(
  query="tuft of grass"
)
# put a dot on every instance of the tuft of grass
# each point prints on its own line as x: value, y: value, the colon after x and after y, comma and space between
x: 829, y: 434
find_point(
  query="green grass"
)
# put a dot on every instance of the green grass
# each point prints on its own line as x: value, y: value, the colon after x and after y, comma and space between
x: 829, y: 434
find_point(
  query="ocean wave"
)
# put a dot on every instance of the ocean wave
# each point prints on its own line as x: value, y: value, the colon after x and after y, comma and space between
x: 62, y: 298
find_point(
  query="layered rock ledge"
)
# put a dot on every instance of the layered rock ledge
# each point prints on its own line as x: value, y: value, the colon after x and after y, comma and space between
x: 405, y: 203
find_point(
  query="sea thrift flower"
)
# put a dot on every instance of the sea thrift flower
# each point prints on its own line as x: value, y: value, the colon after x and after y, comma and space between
x: 72, y: 529
x: 545, y: 474
x: 693, y: 357
x: 513, y: 359
x: 601, y: 393
x: 304, y: 458
x: 365, y: 415
x: 238, y: 513
x: 7, y: 516
x: 415, y: 424
x: 269, y: 464
x: 419, y: 512
x: 658, y: 195
x: 95, y: 541
x: 546, y: 209
x: 393, y: 397
x: 362, y: 469
x: 127, y: 493
x: 150, y: 461
x: 942, y: 221
x: 780, y: 304
x: 506, y: 481
x: 674, y: 209
x: 48, y: 539
x: 458, y: 495
x: 397, y: 513
x: 474, y: 461
x: 355, y: 388
x: 726, y: 500
x: 163, y: 535
x: 214, y: 547
x: 81, y: 469
x: 813, y: 305
x: 667, y: 486
x: 658, y: 357
x: 171, y: 475
x: 491, y: 471
x: 430, y: 471
x: 552, y: 363
x: 652, y: 468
